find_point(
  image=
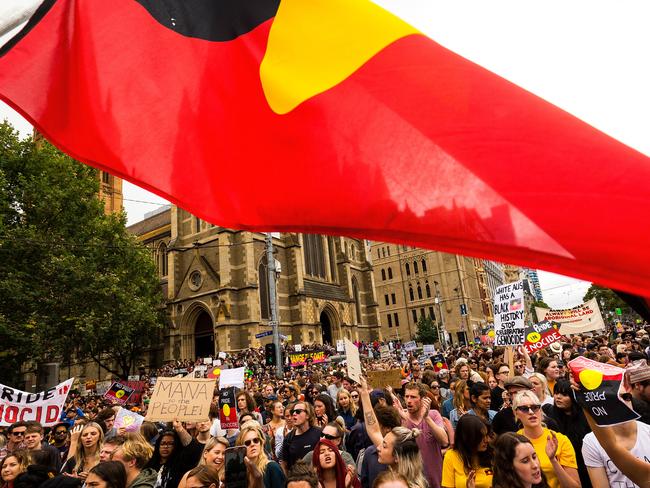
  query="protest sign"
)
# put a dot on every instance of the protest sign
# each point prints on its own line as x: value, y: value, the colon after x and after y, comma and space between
x: 583, y: 318
x: 228, y: 409
x: 222, y: 355
x: 118, y: 393
x: 91, y: 385
x: 340, y: 346
x: 138, y: 389
x: 101, y: 387
x: 509, y: 314
x: 44, y: 407
x: 304, y: 358
x: 232, y: 377
x: 131, y: 421
x: 410, y: 346
x: 297, y: 348
x: 207, y: 361
x: 353, y: 361
x: 134, y: 377
x: 540, y: 335
x: 214, y: 372
x: 428, y: 349
x: 384, y: 352
x: 187, y: 399
x: 439, y: 362
x: 382, y: 379
x: 601, y: 386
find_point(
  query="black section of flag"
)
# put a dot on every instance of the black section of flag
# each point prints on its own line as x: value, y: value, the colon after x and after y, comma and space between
x: 211, y: 20
x: 604, y: 403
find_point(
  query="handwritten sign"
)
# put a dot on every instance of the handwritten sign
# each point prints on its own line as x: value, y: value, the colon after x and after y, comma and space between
x: 232, y: 377
x: 601, y: 386
x: 44, y: 407
x: 131, y: 421
x: 304, y: 358
x: 382, y: 379
x: 384, y: 352
x: 119, y: 393
x: 228, y: 409
x: 187, y: 399
x: 353, y: 360
x: 410, y: 346
x: 428, y: 349
x: 541, y: 335
x: 582, y: 318
x: 509, y: 313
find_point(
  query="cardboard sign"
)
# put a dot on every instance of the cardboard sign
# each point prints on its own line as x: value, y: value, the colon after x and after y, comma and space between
x: 509, y: 314
x: 353, y: 361
x: 44, y: 407
x: 131, y: 421
x: 601, y: 386
x: 228, y: 409
x: 232, y: 377
x: 583, y: 318
x: 119, y: 393
x: 384, y: 352
x: 540, y: 335
x: 91, y: 385
x: 187, y: 399
x: 305, y: 358
x: 410, y: 346
x: 428, y: 349
x: 382, y: 379
x: 439, y: 362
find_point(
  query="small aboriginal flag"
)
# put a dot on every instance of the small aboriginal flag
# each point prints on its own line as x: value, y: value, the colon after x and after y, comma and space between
x: 439, y: 362
x: 214, y: 372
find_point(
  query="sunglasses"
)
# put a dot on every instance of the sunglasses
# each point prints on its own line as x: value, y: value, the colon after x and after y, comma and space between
x: 329, y: 437
x: 297, y: 411
x: 436, y: 387
x: 17, y: 433
x: 529, y: 408
x: 255, y: 441
x: 354, y: 396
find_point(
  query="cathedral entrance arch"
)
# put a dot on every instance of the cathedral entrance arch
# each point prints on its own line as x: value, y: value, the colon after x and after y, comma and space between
x: 203, y: 335
x: 328, y: 326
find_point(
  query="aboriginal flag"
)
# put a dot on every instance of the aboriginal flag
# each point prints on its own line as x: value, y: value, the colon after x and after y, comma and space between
x: 329, y: 116
x: 439, y: 362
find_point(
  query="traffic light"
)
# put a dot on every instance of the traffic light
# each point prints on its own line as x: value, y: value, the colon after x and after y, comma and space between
x: 269, y: 354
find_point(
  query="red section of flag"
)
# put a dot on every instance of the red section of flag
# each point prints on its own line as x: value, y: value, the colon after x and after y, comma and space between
x: 419, y: 146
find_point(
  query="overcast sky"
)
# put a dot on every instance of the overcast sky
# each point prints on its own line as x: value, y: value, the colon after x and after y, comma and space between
x: 587, y: 56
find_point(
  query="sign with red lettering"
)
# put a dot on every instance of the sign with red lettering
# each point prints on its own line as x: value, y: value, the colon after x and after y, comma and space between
x: 44, y: 407
x: 228, y: 409
x: 542, y: 334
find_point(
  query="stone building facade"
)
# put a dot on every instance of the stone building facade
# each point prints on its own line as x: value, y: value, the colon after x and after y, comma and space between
x: 412, y: 282
x: 215, y: 281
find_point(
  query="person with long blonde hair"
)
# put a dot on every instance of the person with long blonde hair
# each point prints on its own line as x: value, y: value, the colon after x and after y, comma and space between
x: 214, y: 454
x: 540, y: 386
x: 461, y: 402
x: 347, y: 409
x: 252, y: 436
x: 400, y: 452
x: 89, y: 440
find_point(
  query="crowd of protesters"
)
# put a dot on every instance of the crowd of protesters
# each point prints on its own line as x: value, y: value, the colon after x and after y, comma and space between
x: 484, y: 416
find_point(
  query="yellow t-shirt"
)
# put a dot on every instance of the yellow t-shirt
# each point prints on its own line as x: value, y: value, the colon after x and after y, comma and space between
x: 565, y: 454
x: 453, y: 472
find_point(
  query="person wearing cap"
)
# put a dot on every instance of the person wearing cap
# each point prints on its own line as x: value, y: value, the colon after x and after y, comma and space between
x: 504, y: 420
x: 638, y: 376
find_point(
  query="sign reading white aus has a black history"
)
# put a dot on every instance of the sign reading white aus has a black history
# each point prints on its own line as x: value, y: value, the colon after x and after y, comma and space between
x: 509, y: 312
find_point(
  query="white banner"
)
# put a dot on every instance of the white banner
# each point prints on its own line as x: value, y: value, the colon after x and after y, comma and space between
x: 509, y: 314
x: 583, y: 318
x: 44, y: 407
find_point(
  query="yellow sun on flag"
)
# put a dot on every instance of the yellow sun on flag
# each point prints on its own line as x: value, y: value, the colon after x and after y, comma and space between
x: 590, y: 378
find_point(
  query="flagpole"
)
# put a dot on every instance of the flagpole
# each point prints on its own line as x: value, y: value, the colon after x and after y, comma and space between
x: 273, y: 302
x: 15, y: 12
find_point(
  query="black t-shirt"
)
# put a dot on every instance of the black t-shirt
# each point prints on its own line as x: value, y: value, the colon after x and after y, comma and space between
x: 296, y: 446
x: 496, y: 397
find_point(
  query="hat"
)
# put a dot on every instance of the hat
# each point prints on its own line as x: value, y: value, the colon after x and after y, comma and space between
x: 639, y: 373
x: 556, y: 347
x: 519, y: 381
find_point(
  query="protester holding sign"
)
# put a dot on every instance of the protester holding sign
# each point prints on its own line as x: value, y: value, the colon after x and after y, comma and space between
x: 554, y: 450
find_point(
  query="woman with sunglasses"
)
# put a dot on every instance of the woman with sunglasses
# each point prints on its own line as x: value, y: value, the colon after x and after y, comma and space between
x: 214, y: 454
x: 330, y: 468
x: 252, y: 437
x: 347, y: 409
x: 335, y: 433
x: 356, y: 399
x: 554, y: 450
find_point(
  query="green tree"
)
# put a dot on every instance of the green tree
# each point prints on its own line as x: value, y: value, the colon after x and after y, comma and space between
x: 73, y: 282
x: 427, y: 332
x: 540, y: 304
x: 609, y: 301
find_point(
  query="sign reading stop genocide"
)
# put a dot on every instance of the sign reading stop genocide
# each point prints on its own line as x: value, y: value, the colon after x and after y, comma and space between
x: 44, y: 407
